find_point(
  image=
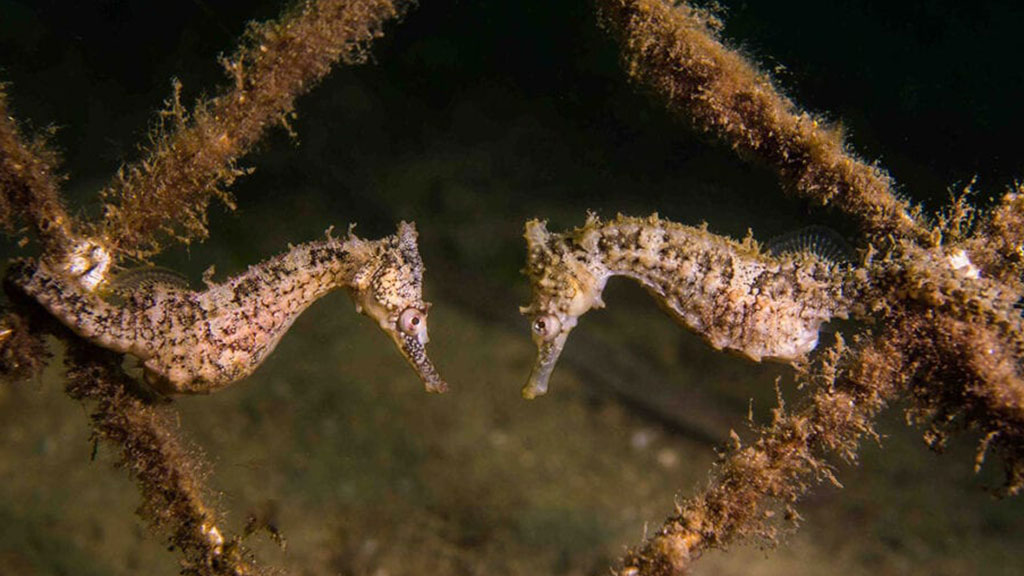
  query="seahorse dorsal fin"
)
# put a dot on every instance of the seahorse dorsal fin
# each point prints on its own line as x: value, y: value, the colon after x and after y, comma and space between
x: 821, y: 241
x: 144, y: 278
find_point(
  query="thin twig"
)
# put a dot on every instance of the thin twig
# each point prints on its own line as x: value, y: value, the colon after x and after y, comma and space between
x: 194, y: 155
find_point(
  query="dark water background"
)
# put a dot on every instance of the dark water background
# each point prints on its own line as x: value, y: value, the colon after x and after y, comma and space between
x: 470, y: 118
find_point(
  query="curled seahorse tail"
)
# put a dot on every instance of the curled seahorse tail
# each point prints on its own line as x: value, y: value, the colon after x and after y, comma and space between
x: 85, y: 314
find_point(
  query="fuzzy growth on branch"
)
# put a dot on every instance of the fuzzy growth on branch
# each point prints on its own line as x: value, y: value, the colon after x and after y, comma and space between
x: 753, y: 483
x: 675, y: 51
x: 944, y: 299
x: 998, y: 248
x: 967, y: 338
x: 168, y: 478
x: 194, y: 156
x: 28, y: 186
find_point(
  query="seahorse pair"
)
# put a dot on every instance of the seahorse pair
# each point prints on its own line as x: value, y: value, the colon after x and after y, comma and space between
x: 738, y: 297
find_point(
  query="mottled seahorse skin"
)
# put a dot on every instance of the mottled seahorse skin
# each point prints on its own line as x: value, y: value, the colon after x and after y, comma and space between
x: 198, y: 341
x: 737, y: 297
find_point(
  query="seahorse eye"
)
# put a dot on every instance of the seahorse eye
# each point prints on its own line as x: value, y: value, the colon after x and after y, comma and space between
x: 411, y: 320
x: 546, y: 327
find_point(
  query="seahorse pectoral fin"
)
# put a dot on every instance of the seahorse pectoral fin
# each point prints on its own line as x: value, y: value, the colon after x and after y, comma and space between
x: 414, y: 349
x: 547, y: 356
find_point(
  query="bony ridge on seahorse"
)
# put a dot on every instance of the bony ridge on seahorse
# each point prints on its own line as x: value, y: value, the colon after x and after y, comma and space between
x: 198, y: 341
x: 737, y: 297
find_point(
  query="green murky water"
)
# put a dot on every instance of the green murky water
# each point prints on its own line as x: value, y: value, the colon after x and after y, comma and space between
x: 474, y: 119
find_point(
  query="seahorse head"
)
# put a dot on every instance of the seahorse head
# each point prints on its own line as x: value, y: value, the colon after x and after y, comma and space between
x: 566, y: 282
x: 389, y: 289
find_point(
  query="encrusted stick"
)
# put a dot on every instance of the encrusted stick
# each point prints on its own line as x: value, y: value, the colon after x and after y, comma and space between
x: 169, y: 475
x: 193, y: 158
x: 28, y: 186
x: 199, y: 341
x: 674, y: 49
x: 737, y: 297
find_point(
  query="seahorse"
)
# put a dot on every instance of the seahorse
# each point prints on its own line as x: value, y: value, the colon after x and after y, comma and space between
x: 193, y: 342
x: 738, y: 298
